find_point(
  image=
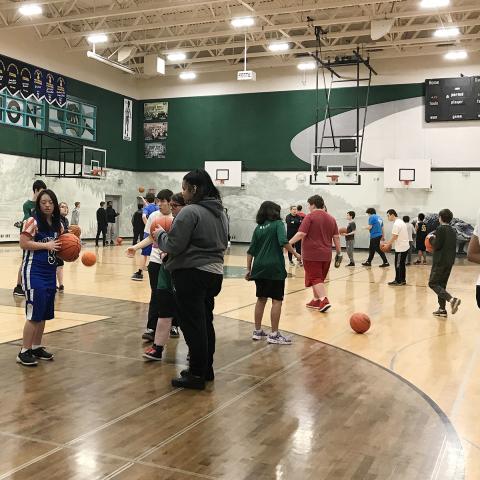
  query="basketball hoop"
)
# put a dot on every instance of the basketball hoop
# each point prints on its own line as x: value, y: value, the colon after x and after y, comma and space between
x: 333, y: 179
x: 406, y: 183
x: 99, y: 173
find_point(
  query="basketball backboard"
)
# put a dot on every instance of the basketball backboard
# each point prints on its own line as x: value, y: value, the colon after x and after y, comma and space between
x: 94, y: 163
x: 226, y: 173
x: 328, y: 165
x: 403, y: 173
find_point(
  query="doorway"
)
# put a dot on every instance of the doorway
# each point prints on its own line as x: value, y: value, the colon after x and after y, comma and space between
x: 117, y: 205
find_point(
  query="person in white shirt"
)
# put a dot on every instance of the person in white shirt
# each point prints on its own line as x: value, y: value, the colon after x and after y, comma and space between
x: 474, y: 252
x: 402, y: 245
x: 406, y: 220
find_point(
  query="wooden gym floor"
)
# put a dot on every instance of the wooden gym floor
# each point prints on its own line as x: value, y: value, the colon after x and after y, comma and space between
x: 397, y: 403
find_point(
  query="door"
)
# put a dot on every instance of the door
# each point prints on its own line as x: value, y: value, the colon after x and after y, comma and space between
x: 117, y: 205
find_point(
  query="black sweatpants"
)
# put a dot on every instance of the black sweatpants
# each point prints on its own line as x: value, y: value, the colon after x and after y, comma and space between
x: 297, y: 247
x: 137, y: 236
x: 153, y: 307
x: 195, y: 291
x: 375, y: 247
x: 438, y: 283
x: 400, y: 269
x: 101, y: 229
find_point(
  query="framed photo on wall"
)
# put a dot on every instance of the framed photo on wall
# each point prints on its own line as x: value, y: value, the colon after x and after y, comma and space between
x: 155, y: 150
x: 155, y: 131
x: 155, y: 112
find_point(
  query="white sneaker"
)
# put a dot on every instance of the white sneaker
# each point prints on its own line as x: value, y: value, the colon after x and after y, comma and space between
x: 259, y: 335
x: 279, y: 339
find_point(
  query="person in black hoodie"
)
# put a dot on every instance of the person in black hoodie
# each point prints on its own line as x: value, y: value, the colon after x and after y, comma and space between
x: 138, y: 224
x: 111, y: 219
x: 101, y: 224
x: 195, y: 245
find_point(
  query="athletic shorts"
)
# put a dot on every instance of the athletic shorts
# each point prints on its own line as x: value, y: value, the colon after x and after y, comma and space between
x: 147, y: 251
x: 420, y: 244
x: 273, y: 289
x: 60, y: 262
x: 315, y: 272
x: 40, y: 304
x: 166, y: 304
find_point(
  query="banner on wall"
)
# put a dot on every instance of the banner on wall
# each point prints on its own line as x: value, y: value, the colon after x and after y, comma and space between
x: 127, y: 119
x: 31, y: 81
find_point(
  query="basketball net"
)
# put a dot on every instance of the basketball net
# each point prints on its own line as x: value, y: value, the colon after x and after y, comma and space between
x: 406, y: 183
x: 220, y: 182
x: 332, y: 179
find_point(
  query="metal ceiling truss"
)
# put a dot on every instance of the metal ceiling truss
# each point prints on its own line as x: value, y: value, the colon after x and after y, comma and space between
x: 202, y: 29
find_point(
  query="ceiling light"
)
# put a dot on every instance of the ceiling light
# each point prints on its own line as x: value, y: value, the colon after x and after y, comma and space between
x: 188, y: 75
x: 279, y: 47
x: 307, y: 66
x: 242, y: 22
x: 176, y: 57
x: 30, y: 10
x: 456, y: 55
x: 111, y: 63
x: 434, y: 3
x: 97, y: 38
x: 447, y: 32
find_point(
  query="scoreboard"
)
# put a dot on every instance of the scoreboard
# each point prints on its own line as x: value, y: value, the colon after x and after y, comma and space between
x: 452, y: 99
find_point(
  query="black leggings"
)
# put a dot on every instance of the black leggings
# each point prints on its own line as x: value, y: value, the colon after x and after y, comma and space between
x: 195, y: 291
x: 438, y: 283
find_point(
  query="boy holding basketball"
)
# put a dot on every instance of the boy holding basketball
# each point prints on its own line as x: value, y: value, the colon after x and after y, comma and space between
x: 444, y: 242
x: 39, y: 241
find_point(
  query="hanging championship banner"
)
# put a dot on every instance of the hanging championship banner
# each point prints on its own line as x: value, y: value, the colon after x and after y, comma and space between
x: 30, y: 81
x: 127, y: 119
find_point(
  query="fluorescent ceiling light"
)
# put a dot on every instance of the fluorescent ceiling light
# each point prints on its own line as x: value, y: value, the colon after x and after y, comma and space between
x: 242, y: 22
x: 176, y: 57
x: 307, y: 66
x: 188, y: 75
x: 111, y: 63
x: 434, y: 3
x: 447, y: 32
x: 97, y: 38
x: 30, y: 10
x: 279, y: 47
x: 456, y: 55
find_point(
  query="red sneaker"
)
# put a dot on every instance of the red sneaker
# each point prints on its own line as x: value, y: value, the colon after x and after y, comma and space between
x: 324, y: 305
x: 313, y: 304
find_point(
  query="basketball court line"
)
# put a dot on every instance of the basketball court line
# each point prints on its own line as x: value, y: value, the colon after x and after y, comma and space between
x: 212, y: 413
x: 116, y: 420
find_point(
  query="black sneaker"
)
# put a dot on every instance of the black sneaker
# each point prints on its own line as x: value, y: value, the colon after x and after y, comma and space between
x: 18, y: 290
x: 383, y: 265
x: 441, y: 312
x: 174, y: 333
x: 350, y: 264
x: 393, y: 284
x: 148, y: 335
x: 42, y: 354
x: 402, y: 284
x: 209, y: 377
x: 26, y: 358
x: 153, y: 353
x: 366, y: 264
x: 455, y: 303
x: 189, y: 381
x: 61, y: 289
x: 137, y: 276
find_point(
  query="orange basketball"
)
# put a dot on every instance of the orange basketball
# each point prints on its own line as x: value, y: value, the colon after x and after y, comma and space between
x: 163, y: 221
x: 141, y: 189
x: 70, y: 247
x: 342, y: 230
x: 385, y: 247
x: 428, y: 244
x: 89, y: 259
x: 75, y: 229
x: 360, y: 322
x: 119, y: 240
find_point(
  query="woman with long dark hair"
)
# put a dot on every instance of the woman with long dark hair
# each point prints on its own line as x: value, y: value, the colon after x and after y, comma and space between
x: 195, y: 245
x: 39, y: 240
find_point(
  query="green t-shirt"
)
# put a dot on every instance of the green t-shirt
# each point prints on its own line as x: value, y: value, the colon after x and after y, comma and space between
x: 164, y: 279
x: 267, y: 249
x: 28, y: 209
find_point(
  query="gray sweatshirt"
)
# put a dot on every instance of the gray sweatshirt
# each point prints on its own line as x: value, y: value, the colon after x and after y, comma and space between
x: 75, y: 216
x: 198, y: 237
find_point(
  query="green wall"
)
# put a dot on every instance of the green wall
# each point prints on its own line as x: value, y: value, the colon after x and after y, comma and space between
x: 120, y: 154
x: 255, y: 128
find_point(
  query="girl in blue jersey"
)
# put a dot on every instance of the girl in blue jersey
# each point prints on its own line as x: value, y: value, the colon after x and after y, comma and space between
x: 39, y: 240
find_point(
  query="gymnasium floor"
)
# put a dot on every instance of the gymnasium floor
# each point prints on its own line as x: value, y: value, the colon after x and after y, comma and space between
x: 402, y: 405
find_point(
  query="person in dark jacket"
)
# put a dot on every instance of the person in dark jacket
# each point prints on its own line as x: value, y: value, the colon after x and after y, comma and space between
x: 293, y: 221
x: 444, y: 242
x: 195, y: 245
x: 111, y: 220
x: 101, y: 224
x: 137, y: 224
